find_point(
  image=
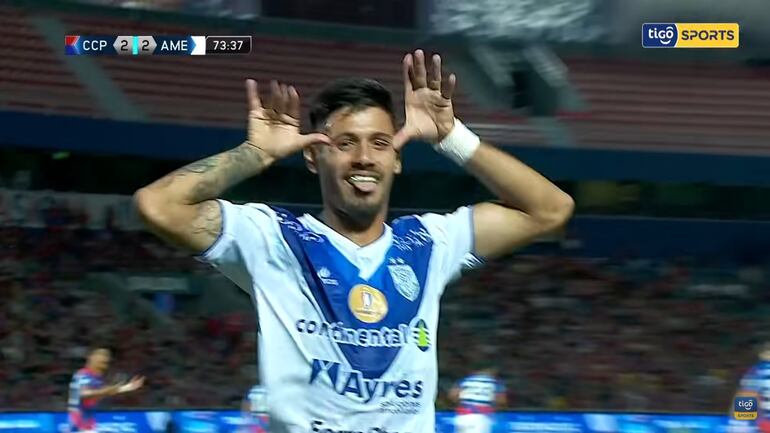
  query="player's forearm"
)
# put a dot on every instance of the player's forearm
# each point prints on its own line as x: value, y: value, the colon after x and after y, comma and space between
x: 208, y: 178
x: 99, y: 392
x: 519, y: 186
x: 180, y: 207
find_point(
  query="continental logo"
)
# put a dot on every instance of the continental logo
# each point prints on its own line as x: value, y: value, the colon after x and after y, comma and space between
x: 421, y: 335
x: 690, y: 35
x: 417, y: 334
x: 368, y: 304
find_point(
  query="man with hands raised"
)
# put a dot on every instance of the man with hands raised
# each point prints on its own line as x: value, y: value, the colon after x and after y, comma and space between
x: 347, y: 303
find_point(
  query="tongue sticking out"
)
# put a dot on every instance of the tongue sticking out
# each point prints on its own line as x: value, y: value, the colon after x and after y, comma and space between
x: 364, y: 186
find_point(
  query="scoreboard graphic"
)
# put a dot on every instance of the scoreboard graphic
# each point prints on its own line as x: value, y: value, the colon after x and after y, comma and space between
x: 158, y: 45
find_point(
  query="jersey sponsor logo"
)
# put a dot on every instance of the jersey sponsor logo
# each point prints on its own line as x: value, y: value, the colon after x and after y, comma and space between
x: 401, y: 407
x: 404, y: 279
x: 337, y: 332
x: 325, y: 275
x: 318, y: 426
x: 352, y: 384
x: 368, y: 304
x: 418, y: 334
x: 421, y: 335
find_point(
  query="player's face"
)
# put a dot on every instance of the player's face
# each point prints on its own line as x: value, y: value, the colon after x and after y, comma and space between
x: 356, y: 172
x: 100, y: 360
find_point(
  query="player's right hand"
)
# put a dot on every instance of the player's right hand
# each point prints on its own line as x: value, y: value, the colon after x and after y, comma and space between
x: 135, y: 383
x: 274, y: 124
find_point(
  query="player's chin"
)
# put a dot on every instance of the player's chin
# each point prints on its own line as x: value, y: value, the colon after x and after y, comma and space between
x: 363, y: 208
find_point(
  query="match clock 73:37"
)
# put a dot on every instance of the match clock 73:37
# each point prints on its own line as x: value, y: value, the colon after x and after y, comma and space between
x: 228, y: 44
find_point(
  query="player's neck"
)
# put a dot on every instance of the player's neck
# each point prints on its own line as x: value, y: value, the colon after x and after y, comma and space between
x: 361, y: 234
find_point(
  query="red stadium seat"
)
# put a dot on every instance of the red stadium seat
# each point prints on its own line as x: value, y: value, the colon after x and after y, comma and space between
x: 32, y: 78
x: 720, y: 108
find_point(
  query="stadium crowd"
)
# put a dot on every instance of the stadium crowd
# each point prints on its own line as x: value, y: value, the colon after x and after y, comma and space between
x: 564, y: 333
x: 50, y: 316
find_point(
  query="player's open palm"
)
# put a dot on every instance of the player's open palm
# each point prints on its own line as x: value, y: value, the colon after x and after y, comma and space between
x: 274, y: 125
x: 135, y: 383
x: 427, y: 100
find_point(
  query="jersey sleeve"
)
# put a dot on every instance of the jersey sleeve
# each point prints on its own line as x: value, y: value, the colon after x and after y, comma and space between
x: 84, y: 381
x: 452, y: 235
x: 249, y: 243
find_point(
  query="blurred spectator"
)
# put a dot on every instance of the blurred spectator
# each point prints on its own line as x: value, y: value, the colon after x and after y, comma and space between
x: 630, y: 334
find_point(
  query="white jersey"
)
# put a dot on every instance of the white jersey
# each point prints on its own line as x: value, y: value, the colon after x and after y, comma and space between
x: 478, y: 393
x: 347, y: 341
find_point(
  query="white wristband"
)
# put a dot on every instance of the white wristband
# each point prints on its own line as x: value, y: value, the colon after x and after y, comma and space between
x: 460, y: 144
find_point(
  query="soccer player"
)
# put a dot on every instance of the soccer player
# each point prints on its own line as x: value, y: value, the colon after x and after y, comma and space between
x: 87, y: 389
x: 255, y: 410
x: 348, y: 304
x: 477, y: 396
x: 756, y: 382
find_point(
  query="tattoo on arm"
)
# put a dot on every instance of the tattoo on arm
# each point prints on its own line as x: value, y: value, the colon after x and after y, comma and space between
x: 201, y: 166
x: 208, y: 220
x: 208, y: 178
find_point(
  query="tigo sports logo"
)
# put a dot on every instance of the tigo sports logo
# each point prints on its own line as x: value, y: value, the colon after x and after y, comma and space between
x: 745, y: 408
x: 690, y: 35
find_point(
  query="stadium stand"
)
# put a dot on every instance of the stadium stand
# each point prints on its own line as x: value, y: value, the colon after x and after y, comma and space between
x: 210, y: 90
x: 48, y: 320
x: 723, y: 108
x: 630, y: 329
x: 32, y: 77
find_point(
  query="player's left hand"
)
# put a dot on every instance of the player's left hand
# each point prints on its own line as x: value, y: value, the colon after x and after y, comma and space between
x: 427, y: 100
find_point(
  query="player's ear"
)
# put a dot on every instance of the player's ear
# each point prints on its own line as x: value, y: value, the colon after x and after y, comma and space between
x: 309, y: 154
x: 397, y: 166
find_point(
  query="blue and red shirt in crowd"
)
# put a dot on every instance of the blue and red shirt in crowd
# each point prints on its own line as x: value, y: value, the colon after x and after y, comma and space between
x: 478, y: 394
x: 82, y: 410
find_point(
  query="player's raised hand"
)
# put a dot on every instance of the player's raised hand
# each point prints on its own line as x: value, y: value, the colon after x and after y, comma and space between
x: 427, y: 100
x: 274, y: 123
x: 135, y: 383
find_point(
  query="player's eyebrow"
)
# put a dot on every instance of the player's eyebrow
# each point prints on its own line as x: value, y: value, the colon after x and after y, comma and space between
x: 382, y: 135
x: 344, y: 135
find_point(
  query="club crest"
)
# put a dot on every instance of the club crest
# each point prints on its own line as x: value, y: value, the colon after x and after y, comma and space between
x: 404, y: 279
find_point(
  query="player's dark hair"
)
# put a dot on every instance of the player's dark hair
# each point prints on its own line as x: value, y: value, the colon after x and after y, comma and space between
x: 349, y: 93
